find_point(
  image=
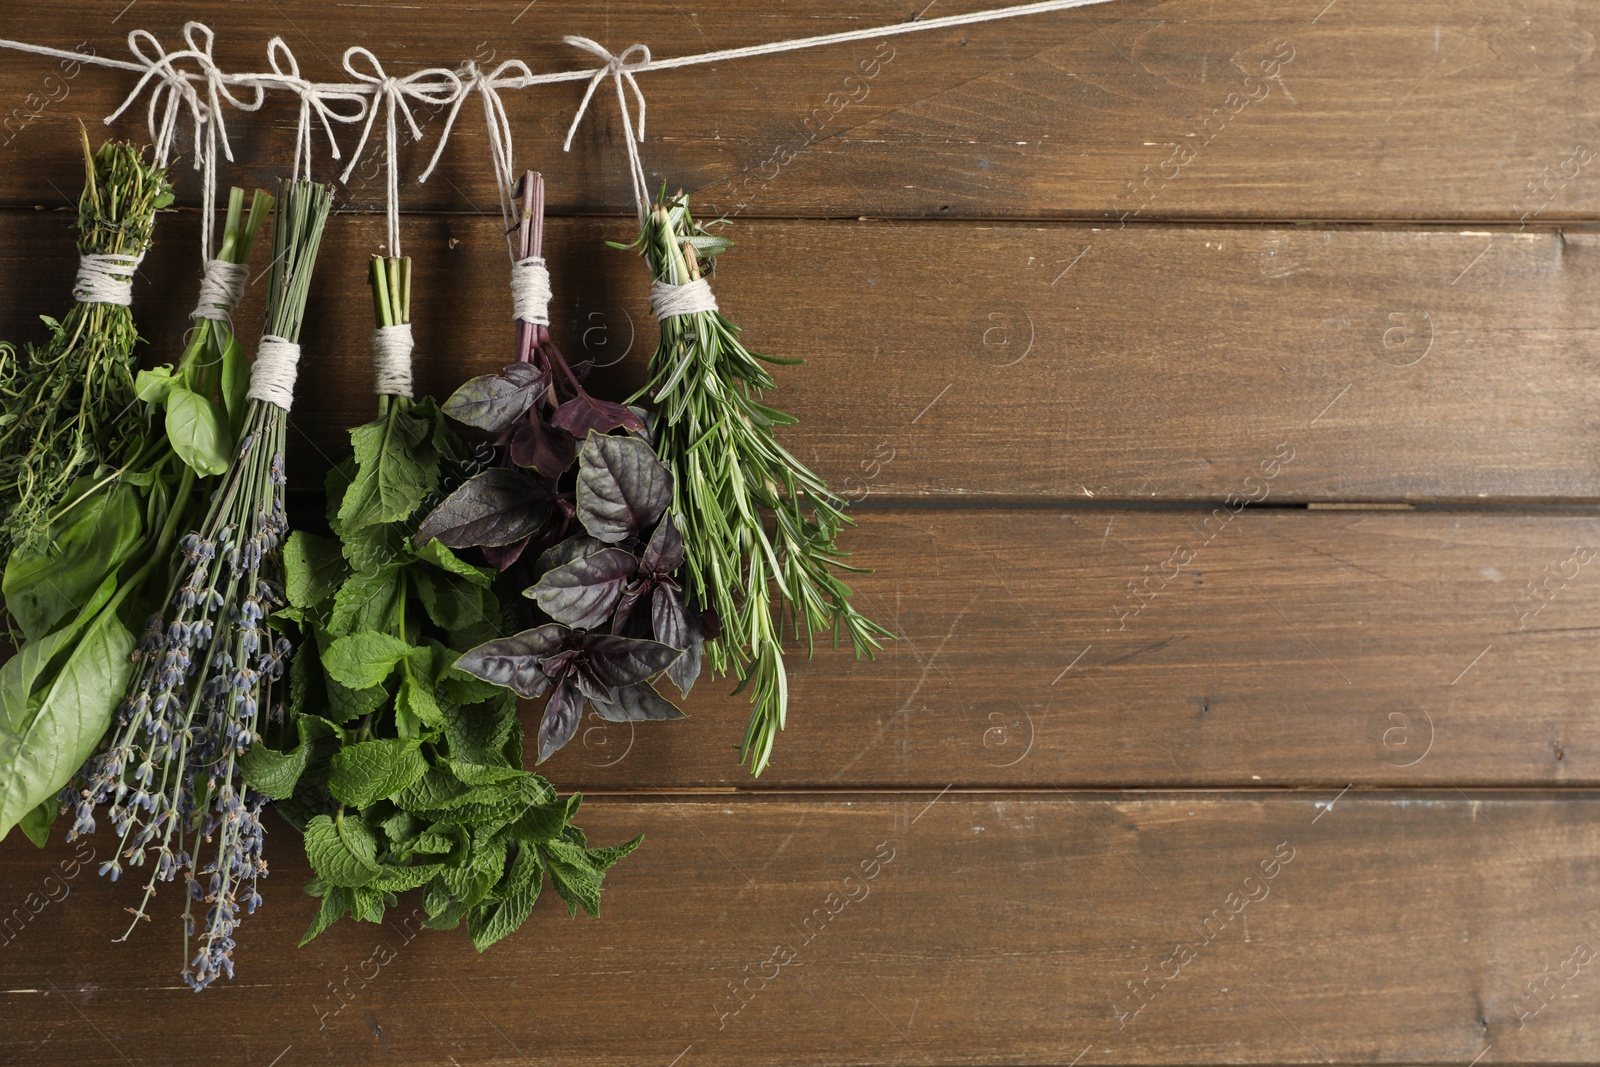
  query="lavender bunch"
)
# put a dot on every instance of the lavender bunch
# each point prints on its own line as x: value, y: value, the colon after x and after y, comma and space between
x: 207, y: 670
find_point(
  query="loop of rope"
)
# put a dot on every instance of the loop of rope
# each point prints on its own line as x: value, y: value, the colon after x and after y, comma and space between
x: 221, y: 289
x: 621, y: 69
x: 391, y: 360
x: 488, y: 84
x: 530, y: 291
x: 272, y: 376
x: 434, y: 85
x: 667, y: 300
x: 106, y: 278
x: 314, y: 99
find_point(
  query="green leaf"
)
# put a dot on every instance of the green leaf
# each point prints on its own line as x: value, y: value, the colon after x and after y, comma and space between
x: 335, y: 902
x: 199, y: 435
x: 342, y: 851
x: 364, y: 659
x: 436, y: 553
x: 575, y: 878
x: 272, y: 773
x: 493, y: 920
x: 313, y: 567
x: 404, y: 879
x: 235, y: 379
x: 452, y: 603
x: 153, y: 385
x: 396, y: 470
x: 44, y: 586
x: 36, y: 824
x: 44, y: 741
x: 416, y: 698
x: 368, y: 600
x: 372, y: 770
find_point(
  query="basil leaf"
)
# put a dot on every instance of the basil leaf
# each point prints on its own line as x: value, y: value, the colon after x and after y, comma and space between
x: 497, y: 507
x: 583, y: 592
x: 622, y: 487
x: 45, y: 740
x: 514, y: 661
x: 494, y: 401
x: 42, y: 587
x: 197, y: 432
x: 36, y: 824
x: 636, y: 703
x: 153, y: 385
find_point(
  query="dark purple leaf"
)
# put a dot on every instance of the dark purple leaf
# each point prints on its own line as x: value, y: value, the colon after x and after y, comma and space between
x: 686, y: 668
x: 498, y: 507
x: 637, y: 703
x: 494, y: 401
x: 575, y: 547
x: 620, y: 661
x: 501, y: 557
x: 710, y: 624
x: 584, y: 413
x: 583, y: 591
x: 561, y: 716
x: 631, y: 598
x: 668, y: 618
x: 664, y: 553
x: 547, y: 449
x: 516, y: 662
x: 622, y: 487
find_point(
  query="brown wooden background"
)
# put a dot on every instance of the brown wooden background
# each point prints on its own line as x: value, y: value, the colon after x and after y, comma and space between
x: 1370, y: 295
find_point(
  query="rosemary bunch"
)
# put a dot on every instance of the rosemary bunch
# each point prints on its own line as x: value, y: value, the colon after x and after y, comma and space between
x: 206, y: 671
x: 72, y: 596
x: 67, y: 406
x: 759, y: 528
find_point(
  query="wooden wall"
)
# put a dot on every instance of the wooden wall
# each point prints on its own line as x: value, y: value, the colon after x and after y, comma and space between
x: 1149, y: 777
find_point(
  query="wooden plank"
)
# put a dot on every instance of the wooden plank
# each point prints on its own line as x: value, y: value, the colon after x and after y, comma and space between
x: 1283, y: 648
x: 1011, y: 362
x: 995, y: 928
x: 1380, y: 110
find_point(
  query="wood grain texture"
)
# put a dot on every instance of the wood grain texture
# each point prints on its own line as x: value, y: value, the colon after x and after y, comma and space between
x: 994, y: 929
x: 1011, y: 362
x: 1397, y: 109
x: 1284, y: 648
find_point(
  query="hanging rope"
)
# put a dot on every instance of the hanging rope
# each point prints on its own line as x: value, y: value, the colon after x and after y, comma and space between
x: 434, y: 85
x: 314, y: 100
x: 488, y: 86
x: 621, y: 69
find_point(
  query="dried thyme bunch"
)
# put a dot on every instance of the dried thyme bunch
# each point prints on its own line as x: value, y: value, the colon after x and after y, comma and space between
x: 67, y: 406
x: 759, y: 528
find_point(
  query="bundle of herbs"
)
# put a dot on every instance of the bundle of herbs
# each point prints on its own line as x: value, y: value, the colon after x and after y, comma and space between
x: 575, y: 515
x: 76, y: 594
x: 759, y: 529
x: 402, y: 771
x: 207, y: 671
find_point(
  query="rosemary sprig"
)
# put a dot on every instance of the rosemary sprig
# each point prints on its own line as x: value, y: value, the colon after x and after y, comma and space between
x: 731, y: 477
x: 67, y: 406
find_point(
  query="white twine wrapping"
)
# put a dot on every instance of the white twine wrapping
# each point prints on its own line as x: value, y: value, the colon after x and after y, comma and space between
x: 667, y: 300
x: 530, y: 291
x: 106, y: 279
x: 221, y: 289
x: 272, y: 377
x: 391, y: 360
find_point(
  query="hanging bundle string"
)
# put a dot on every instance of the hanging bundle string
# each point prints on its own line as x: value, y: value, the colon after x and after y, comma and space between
x: 314, y: 99
x: 222, y: 285
x: 488, y: 84
x: 621, y: 69
x: 530, y: 291
x: 272, y: 376
x: 392, y: 345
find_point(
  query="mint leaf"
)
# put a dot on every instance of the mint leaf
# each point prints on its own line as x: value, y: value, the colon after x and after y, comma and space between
x: 363, y: 660
x: 313, y: 567
x: 343, y: 852
x: 396, y: 469
x: 369, y: 771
